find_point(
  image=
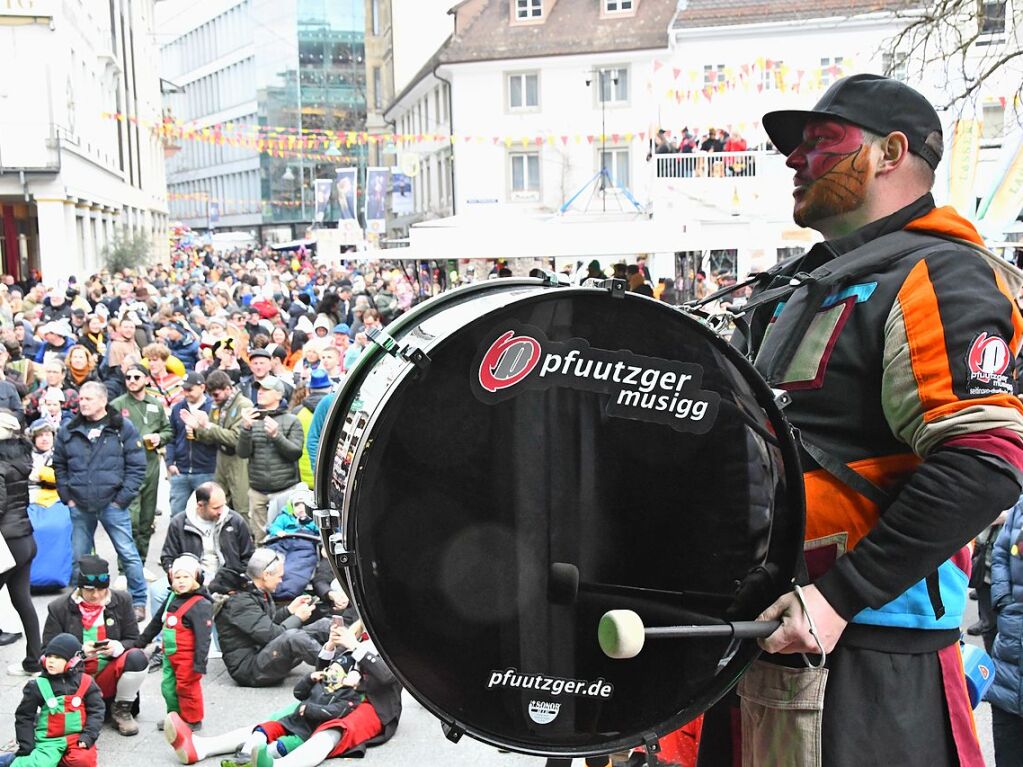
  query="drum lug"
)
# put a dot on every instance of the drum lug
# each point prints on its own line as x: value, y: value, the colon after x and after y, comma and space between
x: 382, y: 339
x: 652, y: 746
x: 550, y: 279
x: 781, y: 398
x: 617, y: 288
x: 417, y: 357
x: 452, y: 731
x: 342, y: 556
x: 327, y: 519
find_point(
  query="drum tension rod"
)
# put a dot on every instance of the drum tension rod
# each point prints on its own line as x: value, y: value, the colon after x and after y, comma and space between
x: 381, y: 338
x: 652, y: 746
x: 452, y: 731
x: 617, y: 288
x: 550, y: 279
x: 781, y: 398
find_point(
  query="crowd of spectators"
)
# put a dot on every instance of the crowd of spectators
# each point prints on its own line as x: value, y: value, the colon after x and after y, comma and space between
x: 214, y: 374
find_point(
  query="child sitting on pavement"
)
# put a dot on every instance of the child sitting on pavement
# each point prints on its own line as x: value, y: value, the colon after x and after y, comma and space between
x: 61, y: 712
x: 185, y: 621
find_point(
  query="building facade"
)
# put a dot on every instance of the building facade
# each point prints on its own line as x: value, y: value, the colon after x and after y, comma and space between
x: 80, y: 161
x: 263, y: 96
x: 537, y: 110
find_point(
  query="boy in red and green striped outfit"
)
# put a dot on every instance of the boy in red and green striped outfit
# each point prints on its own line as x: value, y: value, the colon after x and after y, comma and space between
x: 61, y: 712
x: 186, y: 622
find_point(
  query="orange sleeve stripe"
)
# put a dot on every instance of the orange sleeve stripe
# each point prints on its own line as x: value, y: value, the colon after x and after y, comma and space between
x: 1017, y: 318
x: 926, y: 337
x: 993, y: 400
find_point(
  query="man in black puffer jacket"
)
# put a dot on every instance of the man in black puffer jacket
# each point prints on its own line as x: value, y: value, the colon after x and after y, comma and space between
x: 100, y: 463
x: 15, y: 466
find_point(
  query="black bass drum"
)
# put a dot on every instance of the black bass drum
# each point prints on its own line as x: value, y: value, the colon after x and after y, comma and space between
x: 511, y: 460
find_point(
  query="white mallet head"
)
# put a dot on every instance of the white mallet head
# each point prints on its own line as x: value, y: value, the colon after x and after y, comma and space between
x: 620, y: 634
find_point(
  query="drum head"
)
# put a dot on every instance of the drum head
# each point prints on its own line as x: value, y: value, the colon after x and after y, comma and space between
x: 616, y: 436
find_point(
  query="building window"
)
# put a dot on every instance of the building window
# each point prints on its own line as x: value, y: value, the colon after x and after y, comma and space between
x: 616, y: 161
x: 523, y: 91
x: 374, y: 10
x: 526, y: 10
x: 771, y: 78
x: 993, y: 21
x: 617, y: 6
x: 994, y: 124
x: 831, y: 70
x: 378, y: 89
x: 525, y: 175
x: 896, y: 66
x: 614, y: 85
x: 713, y: 73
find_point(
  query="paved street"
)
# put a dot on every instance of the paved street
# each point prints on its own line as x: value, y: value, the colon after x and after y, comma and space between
x: 418, y: 741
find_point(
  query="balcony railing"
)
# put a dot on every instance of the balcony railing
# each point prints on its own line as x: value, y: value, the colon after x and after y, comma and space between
x: 711, y: 164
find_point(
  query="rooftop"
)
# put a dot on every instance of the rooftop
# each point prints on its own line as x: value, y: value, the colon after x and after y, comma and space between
x: 720, y: 13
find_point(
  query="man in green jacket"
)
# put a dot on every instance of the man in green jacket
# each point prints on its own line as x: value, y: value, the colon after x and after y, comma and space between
x: 222, y: 429
x: 149, y: 417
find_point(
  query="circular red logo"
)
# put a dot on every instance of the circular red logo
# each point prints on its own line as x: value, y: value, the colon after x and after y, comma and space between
x: 508, y: 360
x: 989, y: 355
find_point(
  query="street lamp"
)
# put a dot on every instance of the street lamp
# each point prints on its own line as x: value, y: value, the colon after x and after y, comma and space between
x: 602, y: 78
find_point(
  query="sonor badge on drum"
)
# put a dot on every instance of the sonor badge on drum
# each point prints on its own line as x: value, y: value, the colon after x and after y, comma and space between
x: 509, y: 462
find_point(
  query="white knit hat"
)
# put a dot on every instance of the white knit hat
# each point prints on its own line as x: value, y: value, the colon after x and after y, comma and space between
x: 186, y: 563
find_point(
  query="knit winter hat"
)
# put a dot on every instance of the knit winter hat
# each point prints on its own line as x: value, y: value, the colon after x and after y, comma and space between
x: 63, y: 646
x: 93, y: 571
x: 186, y: 563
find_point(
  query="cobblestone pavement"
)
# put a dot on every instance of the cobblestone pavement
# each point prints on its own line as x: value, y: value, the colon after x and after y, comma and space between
x: 419, y: 740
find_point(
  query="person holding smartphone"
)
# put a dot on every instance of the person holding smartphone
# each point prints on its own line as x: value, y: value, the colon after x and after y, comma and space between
x: 103, y: 620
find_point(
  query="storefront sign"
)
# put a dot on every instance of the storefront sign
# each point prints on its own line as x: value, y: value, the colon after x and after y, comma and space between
x: 32, y: 8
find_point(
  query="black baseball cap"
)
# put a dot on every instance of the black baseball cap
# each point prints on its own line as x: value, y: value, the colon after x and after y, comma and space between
x: 879, y: 104
x: 193, y: 379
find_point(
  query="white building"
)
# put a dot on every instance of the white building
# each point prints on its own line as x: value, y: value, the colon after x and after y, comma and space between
x: 536, y: 112
x: 71, y: 174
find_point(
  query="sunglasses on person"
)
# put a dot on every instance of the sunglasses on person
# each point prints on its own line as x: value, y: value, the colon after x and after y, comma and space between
x: 135, y: 377
x: 96, y: 581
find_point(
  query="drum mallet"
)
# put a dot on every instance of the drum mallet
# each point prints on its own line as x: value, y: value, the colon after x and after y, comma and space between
x: 621, y: 633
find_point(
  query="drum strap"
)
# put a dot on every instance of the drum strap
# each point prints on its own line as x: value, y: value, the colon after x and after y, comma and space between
x: 806, y: 292
x: 877, y: 495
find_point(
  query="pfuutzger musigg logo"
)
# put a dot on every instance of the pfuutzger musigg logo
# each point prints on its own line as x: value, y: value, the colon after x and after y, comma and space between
x: 520, y: 357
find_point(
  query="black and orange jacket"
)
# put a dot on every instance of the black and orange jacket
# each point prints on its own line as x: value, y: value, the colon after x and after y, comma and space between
x: 905, y: 375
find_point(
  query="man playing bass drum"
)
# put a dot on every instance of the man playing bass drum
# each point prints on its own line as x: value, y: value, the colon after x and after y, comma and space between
x: 895, y: 338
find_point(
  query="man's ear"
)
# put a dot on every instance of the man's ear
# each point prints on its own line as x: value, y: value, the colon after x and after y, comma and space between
x: 894, y: 152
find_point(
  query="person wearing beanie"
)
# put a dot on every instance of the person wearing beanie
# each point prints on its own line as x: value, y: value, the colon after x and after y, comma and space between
x: 61, y: 712
x: 103, y: 620
x: 16, y: 529
x: 185, y: 622
x: 319, y: 387
x: 42, y: 484
x: 260, y: 641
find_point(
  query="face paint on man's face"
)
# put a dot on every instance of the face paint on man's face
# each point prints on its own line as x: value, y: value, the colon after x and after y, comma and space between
x: 831, y: 171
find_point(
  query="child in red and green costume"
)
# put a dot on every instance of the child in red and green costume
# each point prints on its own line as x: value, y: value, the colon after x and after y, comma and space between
x: 61, y: 712
x: 185, y: 622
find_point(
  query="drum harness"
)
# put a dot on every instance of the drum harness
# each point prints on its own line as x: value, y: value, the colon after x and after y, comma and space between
x: 803, y: 293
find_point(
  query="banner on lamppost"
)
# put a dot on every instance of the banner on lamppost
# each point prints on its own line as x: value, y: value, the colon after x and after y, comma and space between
x: 213, y: 213
x: 962, y: 166
x: 345, y: 189
x: 322, y: 187
x: 345, y: 186
x: 1001, y: 207
x: 377, y: 186
x: 401, y: 193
